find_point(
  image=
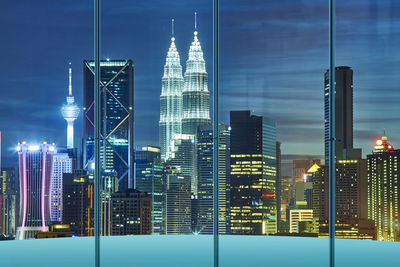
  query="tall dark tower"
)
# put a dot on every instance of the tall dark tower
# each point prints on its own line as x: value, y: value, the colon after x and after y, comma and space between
x: 343, y: 114
x: 116, y: 107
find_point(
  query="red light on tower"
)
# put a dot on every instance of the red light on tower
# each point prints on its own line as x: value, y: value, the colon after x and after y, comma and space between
x: 390, y: 147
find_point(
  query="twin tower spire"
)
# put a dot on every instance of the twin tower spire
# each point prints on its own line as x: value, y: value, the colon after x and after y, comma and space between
x: 184, y: 100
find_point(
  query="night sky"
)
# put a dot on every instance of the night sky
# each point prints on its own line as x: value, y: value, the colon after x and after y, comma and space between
x: 273, y: 58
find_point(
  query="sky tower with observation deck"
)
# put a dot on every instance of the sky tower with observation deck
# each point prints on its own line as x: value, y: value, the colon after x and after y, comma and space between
x: 70, y: 112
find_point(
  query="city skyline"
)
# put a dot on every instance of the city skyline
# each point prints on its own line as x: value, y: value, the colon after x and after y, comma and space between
x: 258, y: 78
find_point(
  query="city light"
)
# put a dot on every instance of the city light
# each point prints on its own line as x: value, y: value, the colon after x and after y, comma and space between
x: 33, y: 148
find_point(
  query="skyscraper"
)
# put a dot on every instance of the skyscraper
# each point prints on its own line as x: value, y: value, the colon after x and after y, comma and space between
x: 8, y: 193
x: 70, y: 112
x: 62, y: 163
x: 351, y: 221
x: 150, y: 179
x: 8, y: 214
x: 253, y: 174
x: 108, y: 187
x: 177, y: 202
x: 131, y: 213
x: 116, y: 92
x: 196, y: 97
x: 35, y: 164
x: 343, y: 114
x: 383, y: 190
x: 171, y: 100
x: 185, y: 159
x: 78, y: 202
x: 351, y: 200
x: 205, y: 173
x: 10, y: 181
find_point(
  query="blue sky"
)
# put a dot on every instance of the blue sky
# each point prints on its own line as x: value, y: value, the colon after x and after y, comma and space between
x: 273, y: 57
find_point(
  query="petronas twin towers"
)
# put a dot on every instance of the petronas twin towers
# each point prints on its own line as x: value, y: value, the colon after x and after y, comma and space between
x: 184, y: 101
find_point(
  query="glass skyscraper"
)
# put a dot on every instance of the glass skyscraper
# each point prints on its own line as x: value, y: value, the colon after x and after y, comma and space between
x: 62, y: 163
x: 116, y: 92
x: 252, y: 174
x: 205, y: 174
x: 149, y: 178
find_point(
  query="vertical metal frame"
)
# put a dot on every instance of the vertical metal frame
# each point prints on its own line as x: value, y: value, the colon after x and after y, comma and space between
x: 216, y: 130
x: 97, y: 211
x: 332, y: 110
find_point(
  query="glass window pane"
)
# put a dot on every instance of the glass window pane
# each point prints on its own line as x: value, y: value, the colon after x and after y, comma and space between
x: 156, y: 130
x: 44, y: 191
x: 367, y: 206
x: 274, y: 56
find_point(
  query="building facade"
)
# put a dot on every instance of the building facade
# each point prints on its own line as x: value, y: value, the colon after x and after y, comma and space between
x: 35, y: 168
x: 116, y: 93
x: 149, y: 178
x: 184, y: 158
x: 383, y: 190
x: 131, y: 213
x: 62, y: 163
x: 178, y: 212
x: 171, y: 100
x: 252, y: 174
x: 78, y: 202
x: 196, y: 97
x: 343, y: 114
x: 205, y: 173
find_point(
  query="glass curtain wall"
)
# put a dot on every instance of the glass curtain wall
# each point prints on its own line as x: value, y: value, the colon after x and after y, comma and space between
x: 367, y: 193
x: 273, y: 108
x: 156, y: 151
x: 156, y: 132
x: 44, y: 191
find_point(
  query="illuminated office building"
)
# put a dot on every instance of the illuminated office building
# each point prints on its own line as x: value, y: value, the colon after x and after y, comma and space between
x: 278, y: 190
x: 196, y: 97
x: 78, y: 202
x: 62, y: 163
x: 131, y: 213
x: 184, y: 158
x: 8, y: 214
x: 300, y: 221
x: 149, y: 177
x: 8, y: 199
x: 205, y: 173
x: 383, y: 190
x: 287, y: 190
x: 35, y: 164
x: 9, y: 183
x: 171, y: 100
x: 177, y: 202
x: 301, y: 168
x: 70, y: 112
x: 108, y: 187
x: 252, y: 174
x: 351, y: 200
x: 116, y: 94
